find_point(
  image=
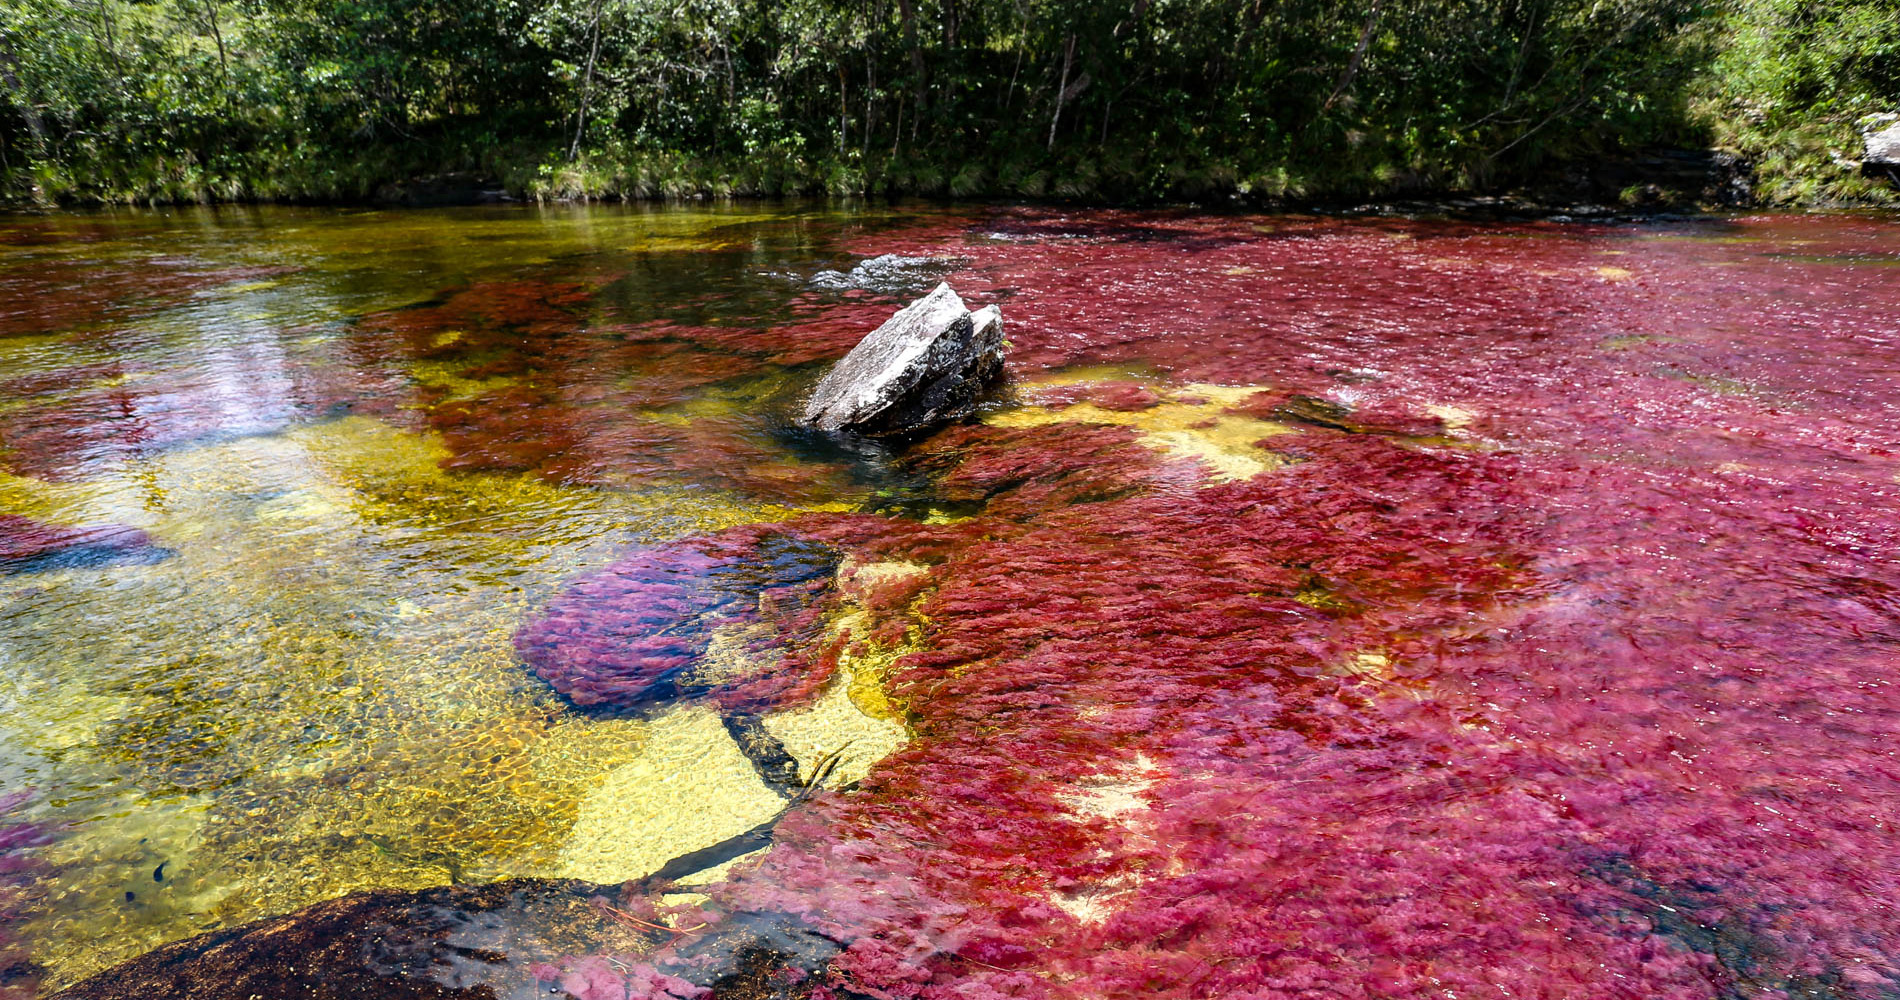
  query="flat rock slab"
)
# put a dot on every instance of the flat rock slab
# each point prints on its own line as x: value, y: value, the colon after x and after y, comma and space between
x: 927, y: 365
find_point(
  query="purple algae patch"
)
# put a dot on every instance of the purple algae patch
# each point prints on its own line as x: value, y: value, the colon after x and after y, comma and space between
x: 642, y: 629
x: 30, y: 546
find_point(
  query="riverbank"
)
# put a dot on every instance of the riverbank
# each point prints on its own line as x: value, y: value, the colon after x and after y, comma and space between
x: 1811, y: 170
x: 1192, y: 102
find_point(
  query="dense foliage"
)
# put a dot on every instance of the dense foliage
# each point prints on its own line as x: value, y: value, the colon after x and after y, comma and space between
x: 1796, y: 83
x: 190, y: 99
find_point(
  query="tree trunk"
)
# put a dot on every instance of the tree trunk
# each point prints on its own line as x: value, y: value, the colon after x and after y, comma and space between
x: 112, y: 48
x: 873, y: 44
x: 1062, y: 90
x: 224, y: 64
x: 907, y: 9
x: 844, y: 112
x: 1358, y: 55
x: 587, y: 86
x: 1009, y: 96
x: 17, y: 94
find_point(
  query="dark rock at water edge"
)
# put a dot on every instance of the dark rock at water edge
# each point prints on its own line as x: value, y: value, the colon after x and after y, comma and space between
x: 510, y: 940
x: 442, y: 190
x: 448, y: 942
x: 927, y: 365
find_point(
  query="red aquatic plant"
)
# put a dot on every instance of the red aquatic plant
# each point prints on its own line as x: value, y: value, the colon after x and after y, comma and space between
x: 599, y: 978
x: 1592, y: 708
x: 88, y: 296
x: 1558, y: 661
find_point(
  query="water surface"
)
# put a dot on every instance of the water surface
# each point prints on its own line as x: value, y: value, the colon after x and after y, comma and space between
x: 1329, y: 607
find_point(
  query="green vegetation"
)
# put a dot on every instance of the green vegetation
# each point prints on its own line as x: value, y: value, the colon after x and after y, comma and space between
x: 179, y: 100
x: 1792, y: 85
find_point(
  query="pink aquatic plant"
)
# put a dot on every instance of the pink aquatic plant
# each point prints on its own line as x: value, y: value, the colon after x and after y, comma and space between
x: 1589, y: 704
x: 599, y: 978
x: 1557, y: 659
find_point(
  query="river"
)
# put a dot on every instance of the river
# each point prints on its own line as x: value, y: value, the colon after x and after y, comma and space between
x: 1347, y: 607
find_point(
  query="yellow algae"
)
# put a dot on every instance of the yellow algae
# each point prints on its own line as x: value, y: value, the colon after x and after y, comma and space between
x: 1315, y: 596
x: 1225, y: 463
x: 1614, y: 273
x: 856, y: 578
x: 938, y: 515
x: 1242, y: 269
x: 1454, y: 418
x: 1225, y: 395
x: 301, y: 506
x: 867, y: 666
x: 121, y: 853
x: 1200, y: 430
x: 1377, y: 671
x: 324, y: 670
x: 66, y: 503
x: 1377, y: 666
x: 446, y: 375
x: 689, y: 788
x: 866, y: 663
x: 834, y: 723
x: 1084, y: 374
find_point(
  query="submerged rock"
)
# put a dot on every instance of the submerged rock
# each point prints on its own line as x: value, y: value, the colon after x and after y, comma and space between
x: 729, y: 616
x: 925, y: 366
x: 29, y: 546
x: 884, y: 273
x: 519, y: 939
x: 446, y: 942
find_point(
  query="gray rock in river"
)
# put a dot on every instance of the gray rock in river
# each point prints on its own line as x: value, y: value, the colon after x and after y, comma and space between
x: 1882, y: 136
x: 926, y: 365
x: 886, y: 273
